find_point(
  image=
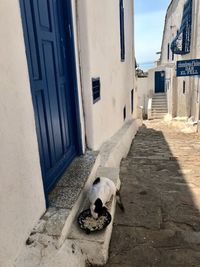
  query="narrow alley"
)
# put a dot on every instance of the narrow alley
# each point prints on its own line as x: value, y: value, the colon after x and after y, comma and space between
x: 161, y: 194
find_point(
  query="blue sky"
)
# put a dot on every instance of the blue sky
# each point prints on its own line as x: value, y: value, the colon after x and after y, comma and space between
x: 149, y: 23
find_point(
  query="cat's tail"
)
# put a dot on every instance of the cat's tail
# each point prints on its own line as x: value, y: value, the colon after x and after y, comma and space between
x: 119, y: 200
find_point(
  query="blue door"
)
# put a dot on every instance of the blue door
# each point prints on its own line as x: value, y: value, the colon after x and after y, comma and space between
x: 159, y: 81
x: 49, y: 61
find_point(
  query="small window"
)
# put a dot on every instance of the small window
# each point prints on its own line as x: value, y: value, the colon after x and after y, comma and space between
x: 132, y: 100
x: 124, y: 113
x: 168, y: 51
x: 122, y: 37
x: 183, y: 87
x: 96, y: 86
x: 172, y: 56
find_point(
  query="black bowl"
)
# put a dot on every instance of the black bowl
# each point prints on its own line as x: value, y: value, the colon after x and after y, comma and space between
x: 86, y: 213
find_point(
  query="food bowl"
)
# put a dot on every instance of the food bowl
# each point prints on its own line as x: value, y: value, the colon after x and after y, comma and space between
x: 89, y: 224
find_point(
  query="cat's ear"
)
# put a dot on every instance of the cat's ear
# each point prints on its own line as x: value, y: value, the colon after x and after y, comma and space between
x: 96, y: 181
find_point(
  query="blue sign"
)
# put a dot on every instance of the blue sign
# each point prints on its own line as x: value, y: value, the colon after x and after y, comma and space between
x: 188, y: 67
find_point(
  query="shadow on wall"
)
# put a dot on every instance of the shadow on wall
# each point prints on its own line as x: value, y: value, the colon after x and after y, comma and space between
x: 161, y: 195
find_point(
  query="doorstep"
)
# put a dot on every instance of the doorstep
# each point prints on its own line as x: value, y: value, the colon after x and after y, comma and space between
x: 65, y: 199
x: 56, y: 240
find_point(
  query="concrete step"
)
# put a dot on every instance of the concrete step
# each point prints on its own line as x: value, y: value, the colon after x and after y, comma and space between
x: 159, y: 111
x: 159, y: 103
x: 159, y: 107
x: 156, y: 115
x: 159, y: 100
x: 160, y: 94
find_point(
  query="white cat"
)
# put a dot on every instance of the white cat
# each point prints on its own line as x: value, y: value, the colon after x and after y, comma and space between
x: 100, y: 193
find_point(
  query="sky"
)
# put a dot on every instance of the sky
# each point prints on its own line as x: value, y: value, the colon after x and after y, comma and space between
x: 149, y: 24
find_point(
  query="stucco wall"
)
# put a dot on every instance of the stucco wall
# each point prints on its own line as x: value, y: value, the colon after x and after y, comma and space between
x: 187, y: 104
x: 21, y: 190
x: 143, y: 90
x: 99, y: 32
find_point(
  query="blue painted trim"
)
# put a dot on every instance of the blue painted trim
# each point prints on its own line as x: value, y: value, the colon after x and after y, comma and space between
x: 132, y: 100
x: 122, y: 32
x: 168, y: 51
x: 74, y: 77
x: 73, y: 80
x: 159, y: 81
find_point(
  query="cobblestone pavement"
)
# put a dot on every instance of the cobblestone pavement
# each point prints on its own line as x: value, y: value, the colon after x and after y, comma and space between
x: 161, y: 194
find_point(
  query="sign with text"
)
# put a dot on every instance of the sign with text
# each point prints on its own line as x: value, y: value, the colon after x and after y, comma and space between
x: 188, y: 67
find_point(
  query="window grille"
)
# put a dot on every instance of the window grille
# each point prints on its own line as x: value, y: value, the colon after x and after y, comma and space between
x: 96, y: 86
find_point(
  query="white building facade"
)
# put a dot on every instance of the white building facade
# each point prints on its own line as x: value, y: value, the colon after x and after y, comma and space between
x: 67, y: 83
x: 180, y: 42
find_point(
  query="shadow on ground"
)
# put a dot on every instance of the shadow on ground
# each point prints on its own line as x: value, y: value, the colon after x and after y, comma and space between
x: 161, y: 194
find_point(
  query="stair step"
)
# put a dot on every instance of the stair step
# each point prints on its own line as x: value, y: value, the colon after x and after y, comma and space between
x: 159, y: 107
x: 158, y: 94
x: 159, y: 99
x: 158, y: 114
x: 159, y: 111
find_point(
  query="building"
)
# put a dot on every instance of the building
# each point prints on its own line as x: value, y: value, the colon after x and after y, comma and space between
x: 67, y: 74
x: 180, y: 43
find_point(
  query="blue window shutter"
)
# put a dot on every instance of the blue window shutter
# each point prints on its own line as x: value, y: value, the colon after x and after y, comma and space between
x: 168, y: 51
x: 181, y: 43
x: 132, y: 100
x: 122, y: 35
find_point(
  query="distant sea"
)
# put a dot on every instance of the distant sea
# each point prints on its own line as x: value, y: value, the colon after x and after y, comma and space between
x: 146, y: 65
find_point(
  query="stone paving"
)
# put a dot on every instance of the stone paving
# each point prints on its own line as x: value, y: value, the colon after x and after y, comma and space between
x: 161, y: 194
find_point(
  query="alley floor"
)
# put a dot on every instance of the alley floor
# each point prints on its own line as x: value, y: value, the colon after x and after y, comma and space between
x: 161, y: 194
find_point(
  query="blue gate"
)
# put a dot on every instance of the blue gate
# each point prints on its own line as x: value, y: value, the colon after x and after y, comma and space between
x: 50, y: 61
x: 159, y: 81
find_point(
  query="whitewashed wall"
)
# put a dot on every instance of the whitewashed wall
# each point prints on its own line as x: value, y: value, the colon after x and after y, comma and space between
x: 99, y: 32
x: 21, y: 190
x: 187, y: 104
x: 143, y: 91
x: 97, y: 44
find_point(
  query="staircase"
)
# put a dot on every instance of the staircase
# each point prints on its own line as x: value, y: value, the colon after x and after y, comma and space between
x: 159, y: 106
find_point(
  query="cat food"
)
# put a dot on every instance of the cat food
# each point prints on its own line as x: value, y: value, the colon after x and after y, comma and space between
x: 89, y: 224
x: 92, y: 223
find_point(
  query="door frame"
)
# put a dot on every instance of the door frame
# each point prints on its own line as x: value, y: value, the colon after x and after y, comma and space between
x: 68, y: 19
x: 155, y: 83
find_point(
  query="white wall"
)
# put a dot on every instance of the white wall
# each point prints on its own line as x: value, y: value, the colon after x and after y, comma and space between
x: 99, y: 32
x: 143, y: 91
x: 187, y: 104
x: 21, y: 190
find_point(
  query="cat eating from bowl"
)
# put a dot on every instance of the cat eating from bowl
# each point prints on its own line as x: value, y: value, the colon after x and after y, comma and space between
x: 100, y: 193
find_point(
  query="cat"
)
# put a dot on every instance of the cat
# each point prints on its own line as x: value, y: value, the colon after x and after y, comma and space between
x: 100, y: 193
